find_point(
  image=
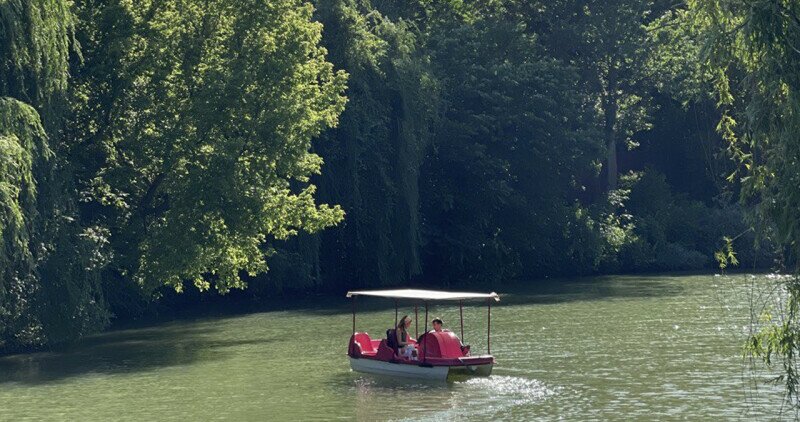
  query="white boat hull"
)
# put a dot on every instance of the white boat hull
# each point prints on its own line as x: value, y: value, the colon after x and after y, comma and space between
x: 372, y: 366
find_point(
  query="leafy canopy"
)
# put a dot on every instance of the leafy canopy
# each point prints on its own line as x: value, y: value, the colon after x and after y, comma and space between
x: 199, y: 117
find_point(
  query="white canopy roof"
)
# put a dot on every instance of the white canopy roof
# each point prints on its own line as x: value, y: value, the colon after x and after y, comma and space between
x: 424, y: 294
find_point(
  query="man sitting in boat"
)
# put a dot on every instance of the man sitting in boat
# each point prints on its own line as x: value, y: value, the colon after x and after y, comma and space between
x: 437, y: 327
x: 404, y: 347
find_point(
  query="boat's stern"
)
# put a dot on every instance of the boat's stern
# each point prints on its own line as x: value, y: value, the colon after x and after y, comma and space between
x: 469, y: 371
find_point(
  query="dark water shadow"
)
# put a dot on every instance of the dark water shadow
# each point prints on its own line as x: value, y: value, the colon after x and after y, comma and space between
x: 135, y: 350
x: 545, y: 291
x: 593, y: 289
x: 518, y: 292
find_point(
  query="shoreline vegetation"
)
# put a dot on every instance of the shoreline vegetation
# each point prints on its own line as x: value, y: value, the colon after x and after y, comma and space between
x: 161, y: 157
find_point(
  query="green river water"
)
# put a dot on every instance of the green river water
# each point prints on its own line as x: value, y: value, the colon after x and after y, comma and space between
x: 609, y: 348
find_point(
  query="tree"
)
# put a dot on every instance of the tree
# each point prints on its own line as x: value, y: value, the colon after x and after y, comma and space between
x: 49, y: 278
x: 193, y: 122
x: 373, y: 156
x: 500, y: 176
x: 607, y: 42
x: 22, y: 147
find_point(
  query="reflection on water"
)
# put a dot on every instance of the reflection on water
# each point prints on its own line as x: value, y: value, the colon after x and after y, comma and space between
x: 610, y: 348
x: 386, y: 398
x: 488, y: 397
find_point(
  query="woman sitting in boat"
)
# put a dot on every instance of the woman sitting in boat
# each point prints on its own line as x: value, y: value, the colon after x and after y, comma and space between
x: 404, y: 348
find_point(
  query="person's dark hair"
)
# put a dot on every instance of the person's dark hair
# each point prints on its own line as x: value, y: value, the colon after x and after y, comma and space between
x: 435, y: 320
x: 402, y: 323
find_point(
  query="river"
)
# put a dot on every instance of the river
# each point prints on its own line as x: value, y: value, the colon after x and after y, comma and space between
x: 603, y: 348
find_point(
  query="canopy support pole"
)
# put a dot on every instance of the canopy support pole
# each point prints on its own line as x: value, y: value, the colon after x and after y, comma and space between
x: 489, y: 328
x: 461, y: 316
x: 354, y: 315
x: 424, y: 339
x: 416, y: 322
x: 395, y: 313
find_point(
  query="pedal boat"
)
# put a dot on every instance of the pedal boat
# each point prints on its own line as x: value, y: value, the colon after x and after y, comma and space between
x: 440, y: 355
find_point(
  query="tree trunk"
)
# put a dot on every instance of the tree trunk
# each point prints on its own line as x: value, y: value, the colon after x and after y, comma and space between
x: 612, y: 164
x: 610, y: 110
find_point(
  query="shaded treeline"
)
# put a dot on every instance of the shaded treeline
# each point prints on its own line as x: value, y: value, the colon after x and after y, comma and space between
x: 154, y: 147
x: 476, y: 142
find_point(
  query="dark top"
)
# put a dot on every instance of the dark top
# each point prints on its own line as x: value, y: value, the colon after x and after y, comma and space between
x: 391, y: 339
x: 403, y: 337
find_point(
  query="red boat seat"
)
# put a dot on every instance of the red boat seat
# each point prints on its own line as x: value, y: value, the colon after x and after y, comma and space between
x: 365, y: 342
x: 385, y: 353
x: 361, y: 345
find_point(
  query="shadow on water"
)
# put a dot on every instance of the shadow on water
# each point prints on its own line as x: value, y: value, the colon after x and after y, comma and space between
x: 527, y: 292
x: 592, y: 289
x: 120, y: 352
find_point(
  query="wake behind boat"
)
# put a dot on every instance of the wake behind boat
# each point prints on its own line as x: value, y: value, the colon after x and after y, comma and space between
x: 436, y: 354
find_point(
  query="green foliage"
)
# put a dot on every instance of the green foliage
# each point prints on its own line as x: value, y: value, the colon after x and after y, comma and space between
x: 198, y: 118
x: 673, y: 232
x: 675, y: 63
x: 22, y: 147
x: 374, y: 155
x: 597, y: 236
x: 513, y: 133
x: 35, y: 43
x: 608, y: 43
x: 50, y: 275
x: 760, y: 116
x: 504, y: 165
x: 726, y: 256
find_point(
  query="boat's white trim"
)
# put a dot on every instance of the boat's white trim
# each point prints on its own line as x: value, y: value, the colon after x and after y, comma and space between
x: 399, y: 369
x: 380, y: 367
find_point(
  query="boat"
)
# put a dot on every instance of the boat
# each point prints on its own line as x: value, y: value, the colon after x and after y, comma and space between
x: 439, y: 355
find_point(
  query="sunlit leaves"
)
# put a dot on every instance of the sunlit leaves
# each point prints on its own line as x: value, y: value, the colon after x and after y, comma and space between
x: 726, y: 256
x: 206, y: 156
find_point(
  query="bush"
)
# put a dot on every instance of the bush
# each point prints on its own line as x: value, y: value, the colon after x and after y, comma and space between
x: 672, y: 232
x: 674, y: 256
